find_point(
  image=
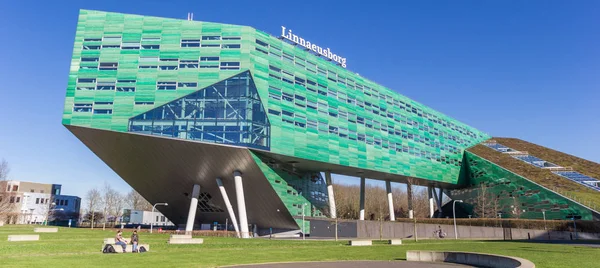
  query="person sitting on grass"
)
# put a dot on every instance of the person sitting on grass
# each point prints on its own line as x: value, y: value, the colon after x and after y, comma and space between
x: 134, y: 241
x: 119, y: 240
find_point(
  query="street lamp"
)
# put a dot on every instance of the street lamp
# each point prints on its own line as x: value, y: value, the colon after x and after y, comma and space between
x: 154, y: 207
x: 544, y: 214
x: 454, y: 215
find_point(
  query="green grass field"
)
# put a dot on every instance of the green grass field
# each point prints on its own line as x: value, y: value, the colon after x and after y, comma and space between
x: 82, y: 248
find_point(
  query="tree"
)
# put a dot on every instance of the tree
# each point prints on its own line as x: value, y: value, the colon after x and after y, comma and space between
x: 483, y: 204
x: 136, y: 201
x: 93, y: 201
x: 113, y: 204
x: 6, y: 207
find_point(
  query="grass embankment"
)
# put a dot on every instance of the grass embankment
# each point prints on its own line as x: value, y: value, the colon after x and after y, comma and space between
x: 81, y: 248
x: 541, y: 176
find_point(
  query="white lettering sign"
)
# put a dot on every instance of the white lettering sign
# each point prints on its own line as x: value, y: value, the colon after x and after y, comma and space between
x: 310, y: 46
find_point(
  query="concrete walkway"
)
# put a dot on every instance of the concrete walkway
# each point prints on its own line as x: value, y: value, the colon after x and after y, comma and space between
x: 353, y: 264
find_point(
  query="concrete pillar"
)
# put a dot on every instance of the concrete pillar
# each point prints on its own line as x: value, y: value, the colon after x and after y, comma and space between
x: 430, y: 194
x: 362, y: 199
x: 229, y: 208
x: 189, y: 227
x: 388, y: 187
x: 410, y: 201
x: 332, y: 210
x: 239, y: 193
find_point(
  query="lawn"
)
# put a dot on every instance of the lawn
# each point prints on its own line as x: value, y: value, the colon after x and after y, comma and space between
x: 82, y: 248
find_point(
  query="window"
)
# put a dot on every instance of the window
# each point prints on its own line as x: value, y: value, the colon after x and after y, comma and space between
x: 144, y: 103
x: 15, y: 188
x: 103, y: 103
x: 168, y: 68
x: 211, y: 37
x: 12, y: 199
x: 37, y: 200
x: 111, y: 46
x: 89, y: 59
x: 86, y: 80
x: 61, y: 202
x: 188, y: 64
x: 209, y: 58
x: 164, y: 85
x: 264, y: 44
x: 230, y: 65
x: 126, y: 81
x: 271, y: 111
x: 32, y: 190
x: 82, y: 107
x: 18, y: 199
x: 130, y: 45
x: 211, y: 45
x: 231, y: 38
x: 187, y: 84
x: 108, y: 66
x: 190, y: 43
x: 92, y: 40
x: 231, y: 46
x: 102, y: 111
x: 284, y: 112
x: 150, y: 46
x: 162, y: 218
x: 88, y: 47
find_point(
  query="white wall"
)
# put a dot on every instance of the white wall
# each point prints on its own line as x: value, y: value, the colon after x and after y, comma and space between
x: 146, y: 217
x: 32, y: 212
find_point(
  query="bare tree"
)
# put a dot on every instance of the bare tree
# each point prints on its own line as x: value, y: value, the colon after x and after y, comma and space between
x: 136, y: 201
x: 483, y: 204
x: 93, y: 201
x: 6, y: 206
x: 110, y: 199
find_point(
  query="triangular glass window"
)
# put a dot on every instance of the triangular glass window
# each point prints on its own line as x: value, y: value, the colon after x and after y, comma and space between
x: 228, y: 112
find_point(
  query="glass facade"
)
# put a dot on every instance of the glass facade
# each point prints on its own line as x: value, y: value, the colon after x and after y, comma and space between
x: 228, y: 112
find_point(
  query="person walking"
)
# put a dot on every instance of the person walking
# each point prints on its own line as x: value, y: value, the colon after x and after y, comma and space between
x: 119, y: 240
x: 134, y: 241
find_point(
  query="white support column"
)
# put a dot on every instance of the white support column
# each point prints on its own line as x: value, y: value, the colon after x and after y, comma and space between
x: 332, y: 210
x: 410, y: 201
x: 388, y: 187
x: 229, y: 208
x: 189, y: 227
x: 362, y: 199
x: 430, y: 194
x: 239, y: 193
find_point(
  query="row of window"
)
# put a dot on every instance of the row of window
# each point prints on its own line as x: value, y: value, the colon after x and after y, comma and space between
x: 324, y: 127
x: 62, y: 202
x: 165, y: 64
x: 116, y: 42
x: 89, y: 107
x: 130, y: 46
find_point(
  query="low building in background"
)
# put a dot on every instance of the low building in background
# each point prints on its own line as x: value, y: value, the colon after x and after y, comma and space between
x: 36, y: 203
x: 141, y: 217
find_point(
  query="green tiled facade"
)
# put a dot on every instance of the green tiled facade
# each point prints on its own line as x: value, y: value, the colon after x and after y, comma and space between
x: 511, y: 192
x: 317, y: 110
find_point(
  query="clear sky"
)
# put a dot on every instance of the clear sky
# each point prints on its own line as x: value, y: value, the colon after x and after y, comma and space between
x: 525, y: 69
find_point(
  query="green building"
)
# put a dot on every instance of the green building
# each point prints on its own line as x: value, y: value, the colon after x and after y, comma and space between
x: 177, y: 107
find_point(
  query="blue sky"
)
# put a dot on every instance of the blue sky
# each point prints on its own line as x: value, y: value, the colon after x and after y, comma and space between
x: 525, y: 69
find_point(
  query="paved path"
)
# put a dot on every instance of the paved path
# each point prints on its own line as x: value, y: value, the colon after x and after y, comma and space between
x: 353, y: 264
